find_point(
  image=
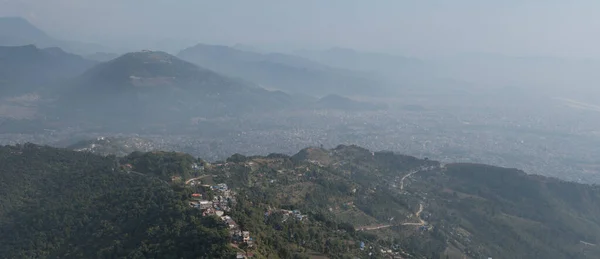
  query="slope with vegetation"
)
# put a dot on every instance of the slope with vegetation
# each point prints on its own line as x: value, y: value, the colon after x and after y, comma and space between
x: 57, y: 203
x: 155, y: 87
x: 419, y: 208
x: 28, y: 68
x: 498, y: 212
x: 339, y: 203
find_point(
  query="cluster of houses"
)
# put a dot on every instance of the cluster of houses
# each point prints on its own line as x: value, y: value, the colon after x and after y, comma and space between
x: 242, y: 237
x: 222, y: 187
x: 292, y: 213
x: 295, y: 214
x: 238, y: 236
x: 219, y: 205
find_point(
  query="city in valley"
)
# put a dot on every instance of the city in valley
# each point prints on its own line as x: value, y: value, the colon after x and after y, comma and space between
x: 553, y: 138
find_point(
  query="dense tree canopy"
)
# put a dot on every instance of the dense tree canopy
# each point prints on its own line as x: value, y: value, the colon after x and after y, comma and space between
x: 62, y: 204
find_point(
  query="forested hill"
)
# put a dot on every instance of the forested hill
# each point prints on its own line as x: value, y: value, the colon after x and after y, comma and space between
x: 417, y: 208
x: 56, y: 203
x: 345, y: 202
x: 149, y: 87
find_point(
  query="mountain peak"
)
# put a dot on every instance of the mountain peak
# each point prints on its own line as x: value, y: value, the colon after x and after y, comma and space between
x: 149, y: 56
x: 15, y: 21
x: 154, y: 86
x: 17, y: 30
x: 145, y: 68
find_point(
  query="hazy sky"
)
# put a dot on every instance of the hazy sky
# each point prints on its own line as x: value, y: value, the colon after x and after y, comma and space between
x: 419, y: 27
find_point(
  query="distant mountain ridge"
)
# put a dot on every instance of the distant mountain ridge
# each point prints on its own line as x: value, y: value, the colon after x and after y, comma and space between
x: 17, y: 31
x: 400, y: 72
x: 156, y: 86
x: 281, y: 71
x: 359, y: 60
x: 26, y: 68
x: 155, y: 68
x: 102, y: 56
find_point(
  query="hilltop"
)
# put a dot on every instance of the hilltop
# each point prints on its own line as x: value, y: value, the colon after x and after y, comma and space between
x: 281, y: 71
x: 148, y: 69
x: 16, y: 31
x: 154, y: 87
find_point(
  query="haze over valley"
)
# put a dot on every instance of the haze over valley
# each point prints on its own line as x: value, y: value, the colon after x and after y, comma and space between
x: 257, y: 103
x: 330, y: 109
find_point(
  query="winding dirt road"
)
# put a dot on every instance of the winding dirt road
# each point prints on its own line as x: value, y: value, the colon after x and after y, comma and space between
x: 373, y: 228
x: 418, y: 214
x: 404, y: 177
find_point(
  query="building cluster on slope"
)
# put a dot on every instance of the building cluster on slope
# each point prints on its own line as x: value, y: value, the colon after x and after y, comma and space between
x: 220, y: 204
x: 287, y: 214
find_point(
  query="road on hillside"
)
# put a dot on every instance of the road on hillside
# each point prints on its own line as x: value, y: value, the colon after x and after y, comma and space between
x: 197, y: 178
x: 406, y: 176
x: 417, y: 214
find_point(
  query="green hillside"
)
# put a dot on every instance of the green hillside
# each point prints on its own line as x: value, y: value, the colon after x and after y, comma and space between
x: 422, y: 209
x: 345, y: 202
x: 57, y: 203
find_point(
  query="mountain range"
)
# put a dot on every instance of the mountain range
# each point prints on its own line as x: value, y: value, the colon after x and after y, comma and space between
x: 156, y: 86
x: 282, y: 71
x: 359, y: 60
x: 400, y: 73
x: 147, y: 86
x: 16, y: 31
